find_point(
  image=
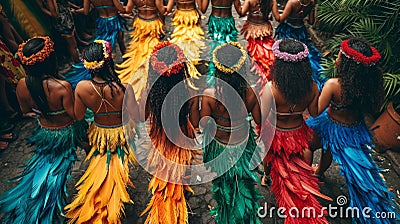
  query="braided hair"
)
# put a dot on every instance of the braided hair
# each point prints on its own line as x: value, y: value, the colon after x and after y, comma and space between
x: 95, y: 52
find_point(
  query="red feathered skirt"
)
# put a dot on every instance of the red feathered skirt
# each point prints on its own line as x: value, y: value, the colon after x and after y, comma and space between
x: 293, y: 183
x: 259, y: 46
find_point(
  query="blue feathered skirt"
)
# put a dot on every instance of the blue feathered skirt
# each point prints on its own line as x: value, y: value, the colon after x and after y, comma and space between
x: 286, y: 30
x: 234, y: 187
x: 108, y: 28
x: 220, y: 30
x: 40, y: 195
x: 351, y: 149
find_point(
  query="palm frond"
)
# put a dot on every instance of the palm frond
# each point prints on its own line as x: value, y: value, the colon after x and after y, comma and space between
x: 391, y: 87
x: 329, y: 67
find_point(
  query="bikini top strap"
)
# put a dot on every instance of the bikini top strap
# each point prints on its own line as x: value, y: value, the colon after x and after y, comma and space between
x: 103, y: 100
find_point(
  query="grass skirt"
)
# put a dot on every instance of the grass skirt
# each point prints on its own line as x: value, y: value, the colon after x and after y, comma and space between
x: 41, y: 194
x: 102, y: 188
x: 285, y: 30
x: 168, y: 204
x: 220, y: 30
x: 234, y: 191
x: 145, y: 36
x: 293, y: 182
x: 108, y: 28
x: 350, y: 146
x: 259, y: 46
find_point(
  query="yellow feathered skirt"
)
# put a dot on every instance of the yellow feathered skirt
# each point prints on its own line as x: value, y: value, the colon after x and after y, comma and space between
x: 134, y: 69
x: 102, y: 188
x: 169, y: 163
x: 188, y: 34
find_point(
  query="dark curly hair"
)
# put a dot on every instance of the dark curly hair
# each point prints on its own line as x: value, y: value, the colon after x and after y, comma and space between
x: 362, y: 85
x: 39, y: 72
x: 293, y: 79
x: 161, y: 85
x: 94, y: 52
x: 228, y: 56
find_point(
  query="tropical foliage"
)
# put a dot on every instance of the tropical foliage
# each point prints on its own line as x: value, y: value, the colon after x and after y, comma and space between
x: 377, y: 21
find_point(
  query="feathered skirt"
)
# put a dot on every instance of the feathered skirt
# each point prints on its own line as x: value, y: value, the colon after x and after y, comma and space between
x: 108, y: 28
x: 234, y: 188
x: 351, y: 149
x: 259, y: 46
x: 188, y: 34
x: 293, y: 182
x: 134, y: 69
x: 286, y: 30
x: 220, y: 30
x: 170, y: 165
x: 40, y: 195
x: 102, y: 188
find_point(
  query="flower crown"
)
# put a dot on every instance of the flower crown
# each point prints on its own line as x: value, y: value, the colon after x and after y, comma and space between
x: 358, y: 56
x: 236, y: 66
x: 40, y: 56
x: 287, y: 56
x: 161, y: 67
x: 96, y: 65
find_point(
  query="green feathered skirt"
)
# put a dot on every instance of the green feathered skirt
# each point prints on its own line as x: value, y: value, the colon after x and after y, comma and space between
x: 234, y: 188
x: 40, y: 195
x: 220, y: 30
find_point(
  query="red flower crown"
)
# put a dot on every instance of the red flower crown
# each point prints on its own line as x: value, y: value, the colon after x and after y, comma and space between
x: 161, y: 67
x: 40, y: 56
x: 358, y: 56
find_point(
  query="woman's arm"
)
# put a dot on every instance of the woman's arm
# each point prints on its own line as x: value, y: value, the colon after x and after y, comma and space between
x: 313, y: 107
x: 194, y: 114
x: 206, y: 110
x: 160, y: 7
x: 22, y: 92
x: 44, y: 10
x: 286, y: 11
x: 131, y: 103
x: 79, y: 106
x: 119, y: 6
x: 170, y: 6
x: 245, y: 8
x: 129, y: 6
x: 238, y: 6
x: 204, y: 5
x: 267, y: 100
x: 326, y: 95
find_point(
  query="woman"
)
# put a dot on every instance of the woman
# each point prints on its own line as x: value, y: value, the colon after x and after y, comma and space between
x: 40, y: 195
x: 109, y: 27
x: 172, y: 136
x: 109, y: 24
x: 234, y: 188
x: 102, y: 188
x: 188, y: 34
x: 294, y: 91
x: 291, y: 25
x: 356, y: 91
x: 11, y: 71
x: 62, y: 22
x: 257, y: 30
x: 148, y: 28
x: 221, y: 27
